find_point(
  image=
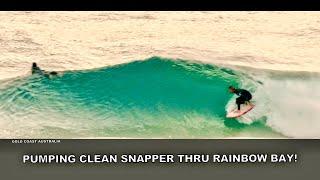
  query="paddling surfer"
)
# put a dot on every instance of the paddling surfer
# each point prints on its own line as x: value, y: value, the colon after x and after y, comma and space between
x: 35, y: 69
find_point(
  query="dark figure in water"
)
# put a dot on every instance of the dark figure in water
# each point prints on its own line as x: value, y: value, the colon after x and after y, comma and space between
x: 244, y: 96
x: 36, y: 70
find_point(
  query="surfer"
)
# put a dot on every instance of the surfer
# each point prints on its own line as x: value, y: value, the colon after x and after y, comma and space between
x: 244, y: 96
x: 35, y: 69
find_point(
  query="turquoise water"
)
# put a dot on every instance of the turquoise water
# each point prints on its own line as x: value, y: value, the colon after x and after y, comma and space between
x: 154, y: 98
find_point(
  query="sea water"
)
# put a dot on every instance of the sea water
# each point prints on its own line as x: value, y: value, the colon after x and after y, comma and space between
x: 159, y: 74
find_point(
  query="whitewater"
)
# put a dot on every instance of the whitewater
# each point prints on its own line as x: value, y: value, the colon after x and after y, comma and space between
x: 159, y: 74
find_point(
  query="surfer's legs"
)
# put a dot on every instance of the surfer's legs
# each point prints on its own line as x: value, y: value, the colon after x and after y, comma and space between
x: 240, y: 100
x: 247, y: 100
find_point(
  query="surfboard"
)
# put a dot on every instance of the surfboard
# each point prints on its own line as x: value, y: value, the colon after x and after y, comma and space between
x: 243, y: 110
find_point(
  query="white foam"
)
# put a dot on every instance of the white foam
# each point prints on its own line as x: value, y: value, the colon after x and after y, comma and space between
x: 294, y: 107
x: 290, y: 105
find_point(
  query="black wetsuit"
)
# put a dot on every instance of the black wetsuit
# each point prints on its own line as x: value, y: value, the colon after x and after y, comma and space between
x: 244, y: 96
x: 36, y: 70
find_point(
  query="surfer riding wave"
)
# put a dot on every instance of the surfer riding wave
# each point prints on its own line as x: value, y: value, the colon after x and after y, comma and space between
x: 244, y: 96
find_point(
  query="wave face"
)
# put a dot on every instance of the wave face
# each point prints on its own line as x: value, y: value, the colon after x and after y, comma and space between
x: 156, y: 98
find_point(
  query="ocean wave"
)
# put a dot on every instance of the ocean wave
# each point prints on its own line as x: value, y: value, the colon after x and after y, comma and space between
x: 158, y: 97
